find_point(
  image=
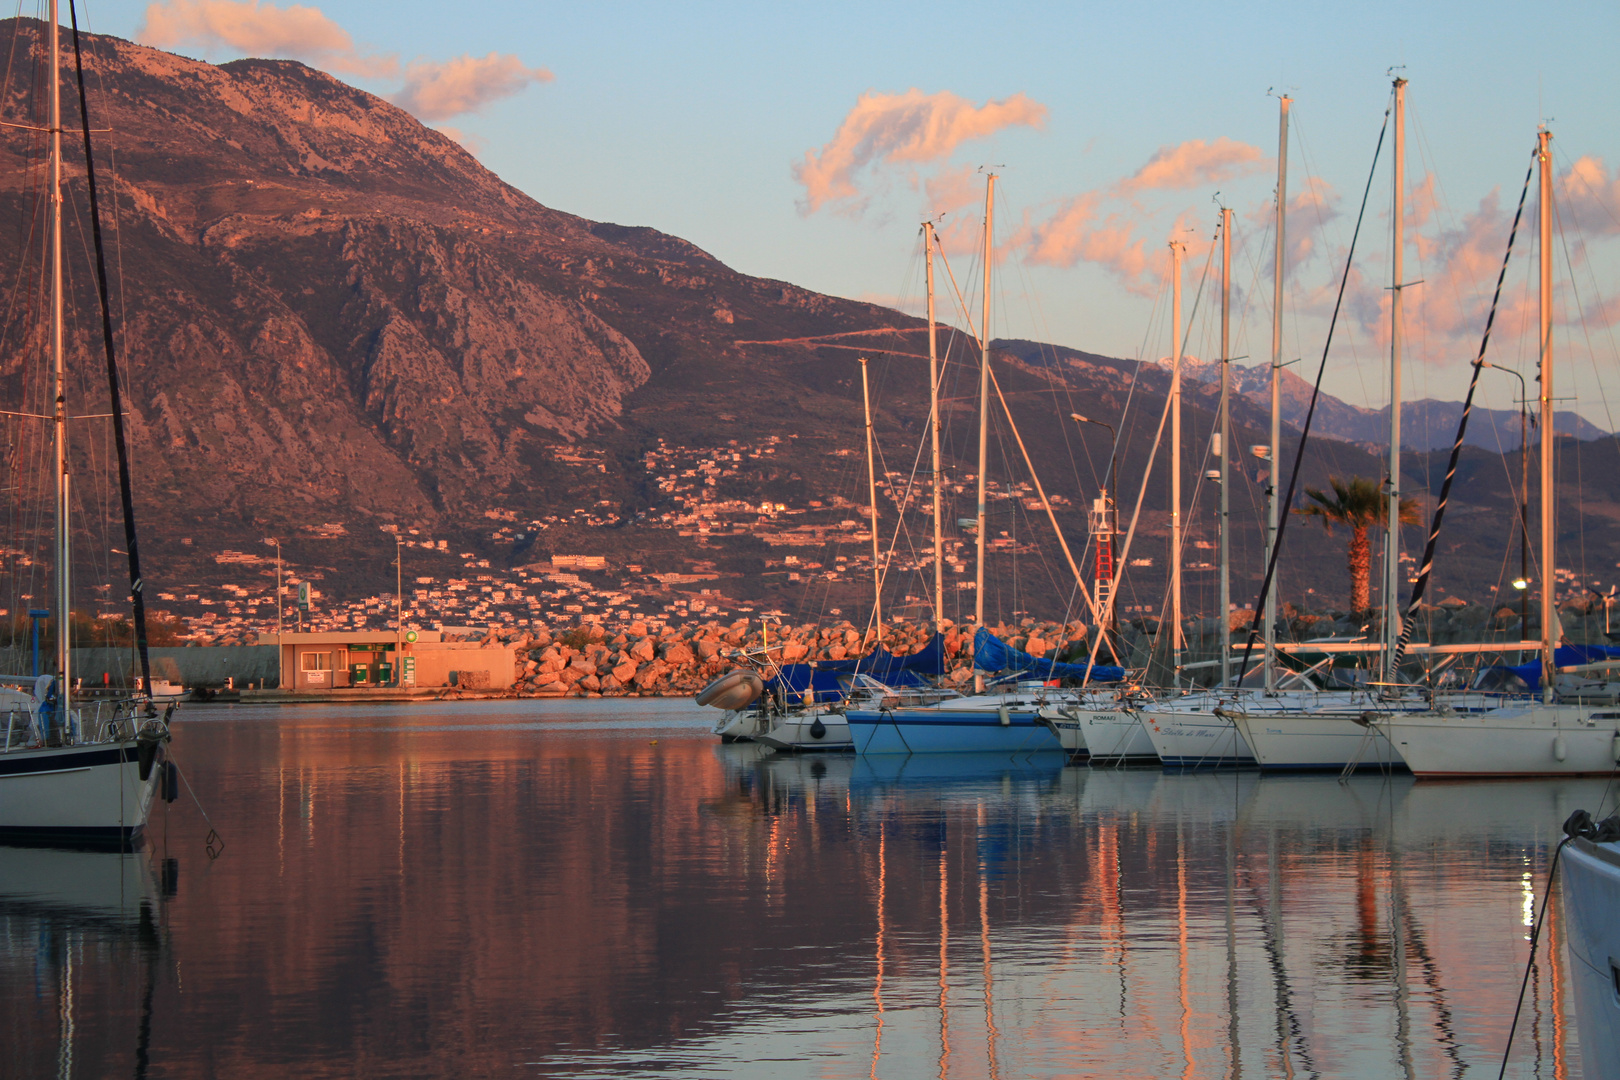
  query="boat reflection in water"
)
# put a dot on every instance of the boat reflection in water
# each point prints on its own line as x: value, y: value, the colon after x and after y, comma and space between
x: 1140, y: 923
x: 68, y: 914
x: 597, y: 888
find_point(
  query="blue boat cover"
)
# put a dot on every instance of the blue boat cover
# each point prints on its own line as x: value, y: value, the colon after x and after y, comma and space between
x: 894, y: 670
x: 990, y: 653
x: 797, y: 678
x: 1563, y: 656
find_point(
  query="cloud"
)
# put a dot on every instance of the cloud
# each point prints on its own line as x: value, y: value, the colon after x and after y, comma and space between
x: 437, y: 90
x: 1592, y: 197
x: 434, y: 90
x: 1194, y: 163
x: 260, y: 29
x: 1085, y: 228
x: 473, y: 144
x: 913, y: 127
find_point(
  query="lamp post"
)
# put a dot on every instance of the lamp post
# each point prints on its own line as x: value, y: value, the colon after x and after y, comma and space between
x: 399, y: 601
x: 278, y: 591
x: 1524, y: 496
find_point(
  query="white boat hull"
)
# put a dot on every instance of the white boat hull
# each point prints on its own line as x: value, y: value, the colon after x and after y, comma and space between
x: 1591, y: 874
x: 1185, y: 739
x: 83, y: 793
x: 1105, y: 735
x: 1516, y: 740
x: 1306, y: 742
x: 799, y: 732
x: 740, y: 725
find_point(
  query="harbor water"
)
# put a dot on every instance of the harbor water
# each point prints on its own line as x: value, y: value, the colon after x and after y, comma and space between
x: 599, y: 888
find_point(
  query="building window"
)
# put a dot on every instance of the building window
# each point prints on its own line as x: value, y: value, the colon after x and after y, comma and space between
x: 317, y: 661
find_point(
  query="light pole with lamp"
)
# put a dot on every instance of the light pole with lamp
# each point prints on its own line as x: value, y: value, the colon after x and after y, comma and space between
x: 1104, y: 528
x: 399, y: 602
x: 281, y: 674
x: 1523, y: 581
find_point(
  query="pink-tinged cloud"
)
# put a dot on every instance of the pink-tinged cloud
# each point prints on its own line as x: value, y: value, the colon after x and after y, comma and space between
x: 1193, y: 164
x: 912, y: 127
x: 437, y: 90
x: 260, y: 29
x: 473, y: 144
x: 952, y: 189
x: 1078, y: 233
x: 1592, y: 196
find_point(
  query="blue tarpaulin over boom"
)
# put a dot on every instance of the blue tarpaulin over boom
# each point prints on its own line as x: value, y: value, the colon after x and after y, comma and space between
x: 1564, y: 656
x: 797, y: 678
x: 990, y: 653
x: 894, y: 670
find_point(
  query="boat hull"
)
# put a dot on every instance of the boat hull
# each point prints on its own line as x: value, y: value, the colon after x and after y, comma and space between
x: 950, y: 731
x: 798, y: 733
x: 79, y: 794
x: 1103, y: 735
x: 1305, y: 742
x: 1196, y: 740
x: 1591, y: 875
x: 1528, y: 740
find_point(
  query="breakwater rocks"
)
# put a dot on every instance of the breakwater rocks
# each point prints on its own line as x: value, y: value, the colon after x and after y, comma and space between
x: 635, y: 658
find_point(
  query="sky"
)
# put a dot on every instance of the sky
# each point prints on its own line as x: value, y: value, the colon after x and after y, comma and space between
x: 807, y: 142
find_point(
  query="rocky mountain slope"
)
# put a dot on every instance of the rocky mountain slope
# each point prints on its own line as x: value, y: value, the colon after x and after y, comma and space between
x: 337, y: 325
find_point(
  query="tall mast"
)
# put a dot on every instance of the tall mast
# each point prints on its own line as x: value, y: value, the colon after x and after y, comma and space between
x: 64, y: 535
x: 1549, y: 560
x: 933, y: 420
x: 984, y: 406
x: 871, y: 488
x: 1279, y: 266
x: 1392, y: 532
x: 1175, y: 461
x: 1223, y: 441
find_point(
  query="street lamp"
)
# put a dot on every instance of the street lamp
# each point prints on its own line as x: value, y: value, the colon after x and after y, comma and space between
x: 1113, y: 453
x: 1523, y: 581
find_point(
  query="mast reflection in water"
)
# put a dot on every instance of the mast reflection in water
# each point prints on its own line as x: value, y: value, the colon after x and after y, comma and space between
x: 597, y: 888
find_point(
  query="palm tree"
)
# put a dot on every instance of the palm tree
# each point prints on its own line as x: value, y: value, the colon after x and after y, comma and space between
x: 1360, y: 504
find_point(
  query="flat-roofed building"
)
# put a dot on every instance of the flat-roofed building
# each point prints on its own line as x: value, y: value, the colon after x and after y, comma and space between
x: 339, y: 659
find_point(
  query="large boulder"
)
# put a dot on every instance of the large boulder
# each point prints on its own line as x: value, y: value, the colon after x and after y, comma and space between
x: 642, y: 650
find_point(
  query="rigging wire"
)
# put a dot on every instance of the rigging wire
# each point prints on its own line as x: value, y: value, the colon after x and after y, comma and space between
x: 1310, y: 414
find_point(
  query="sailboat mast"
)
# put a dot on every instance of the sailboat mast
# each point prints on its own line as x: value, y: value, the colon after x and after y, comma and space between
x: 1223, y: 441
x: 1392, y: 528
x: 984, y: 407
x: 1175, y: 461
x: 1549, y: 561
x: 1279, y: 266
x: 933, y: 420
x: 64, y: 555
x: 871, y: 488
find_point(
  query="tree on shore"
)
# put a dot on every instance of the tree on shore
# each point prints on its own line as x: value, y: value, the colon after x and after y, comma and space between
x: 1358, y: 503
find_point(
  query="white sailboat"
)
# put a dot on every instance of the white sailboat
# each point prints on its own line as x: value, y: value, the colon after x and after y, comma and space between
x: 1591, y: 871
x: 1333, y: 732
x: 1552, y: 736
x: 66, y: 777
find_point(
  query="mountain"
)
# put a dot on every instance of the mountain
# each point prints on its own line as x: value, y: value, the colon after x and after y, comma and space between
x: 1426, y: 424
x: 341, y: 331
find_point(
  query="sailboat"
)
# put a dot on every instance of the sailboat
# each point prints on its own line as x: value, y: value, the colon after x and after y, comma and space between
x: 983, y: 722
x: 1552, y: 736
x: 68, y: 774
x: 1591, y: 865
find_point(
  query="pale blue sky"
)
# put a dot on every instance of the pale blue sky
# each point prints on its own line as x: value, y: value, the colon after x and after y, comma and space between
x: 689, y: 118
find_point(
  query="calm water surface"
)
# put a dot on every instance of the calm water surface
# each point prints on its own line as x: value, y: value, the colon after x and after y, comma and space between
x: 600, y: 889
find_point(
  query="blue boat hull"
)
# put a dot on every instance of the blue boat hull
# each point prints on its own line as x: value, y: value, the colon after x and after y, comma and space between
x: 942, y: 731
